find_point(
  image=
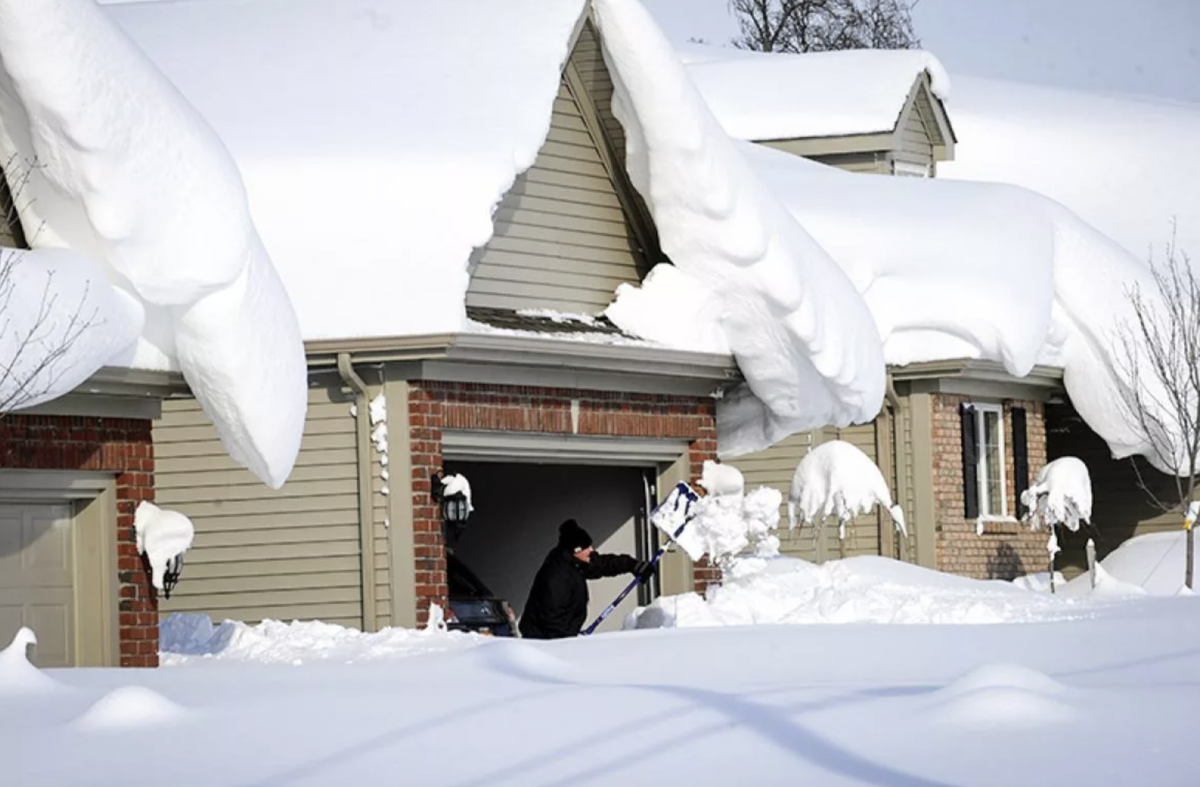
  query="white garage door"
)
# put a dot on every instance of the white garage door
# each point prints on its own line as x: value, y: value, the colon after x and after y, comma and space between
x: 37, y: 578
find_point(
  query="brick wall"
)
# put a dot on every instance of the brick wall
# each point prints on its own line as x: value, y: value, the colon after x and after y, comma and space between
x: 1005, y: 549
x: 115, y: 445
x: 434, y: 406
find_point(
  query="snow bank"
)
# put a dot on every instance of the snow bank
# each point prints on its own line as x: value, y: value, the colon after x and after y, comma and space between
x: 837, y: 479
x: 806, y: 344
x: 113, y: 163
x: 1126, y: 164
x: 61, y: 321
x: 375, y: 144
x: 788, y: 590
x: 1154, y: 562
x: 1003, y: 695
x: 17, y: 675
x: 1062, y: 494
x: 163, y: 536
x: 762, y: 96
x: 187, y: 638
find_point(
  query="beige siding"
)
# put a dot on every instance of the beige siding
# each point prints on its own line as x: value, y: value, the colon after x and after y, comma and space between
x: 914, y: 143
x: 589, y: 61
x: 775, y: 466
x: 562, y: 240
x: 292, y: 553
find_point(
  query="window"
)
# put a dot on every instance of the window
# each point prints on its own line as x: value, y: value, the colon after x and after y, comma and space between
x: 909, y: 169
x: 989, y: 435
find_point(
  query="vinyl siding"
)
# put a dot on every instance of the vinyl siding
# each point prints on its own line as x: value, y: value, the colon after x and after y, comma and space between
x: 875, y: 163
x: 914, y: 139
x: 561, y: 239
x: 292, y: 553
x: 775, y: 467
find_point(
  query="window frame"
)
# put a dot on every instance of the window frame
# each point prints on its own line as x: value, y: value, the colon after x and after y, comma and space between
x: 981, y: 468
x: 910, y: 169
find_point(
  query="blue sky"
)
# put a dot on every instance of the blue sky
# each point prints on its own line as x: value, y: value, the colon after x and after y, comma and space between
x: 1124, y: 46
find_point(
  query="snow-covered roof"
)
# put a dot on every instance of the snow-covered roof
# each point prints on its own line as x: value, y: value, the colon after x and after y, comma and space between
x: 375, y: 137
x: 1126, y: 164
x: 761, y: 96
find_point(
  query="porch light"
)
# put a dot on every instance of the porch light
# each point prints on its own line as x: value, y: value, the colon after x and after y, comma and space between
x: 456, y: 507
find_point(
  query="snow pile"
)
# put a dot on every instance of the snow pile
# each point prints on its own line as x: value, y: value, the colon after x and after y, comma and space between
x: 787, y: 590
x: 1004, y: 695
x: 725, y: 522
x: 1154, y: 562
x: 163, y: 536
x: 837, y: 479
x: 764, y: 96
x: 187, y: 638
x: 61, y: 321
x: 1125, y: 164
x: 130, y: 707
x: 1061, y: 495
x: 111, y: 162
x: 371, y: 206
x: 802, y: 337
x: 17, y: 675
x: 671, y: 308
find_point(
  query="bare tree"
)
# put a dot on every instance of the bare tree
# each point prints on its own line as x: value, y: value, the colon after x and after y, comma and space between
x: 824, y: 25
x: 35, y: 351
x: 1161, y: 359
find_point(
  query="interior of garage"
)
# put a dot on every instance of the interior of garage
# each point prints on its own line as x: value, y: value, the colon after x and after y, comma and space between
x: 518, y: 508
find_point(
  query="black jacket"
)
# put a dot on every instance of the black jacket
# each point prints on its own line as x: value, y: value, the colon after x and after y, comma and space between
x: 558, y: 600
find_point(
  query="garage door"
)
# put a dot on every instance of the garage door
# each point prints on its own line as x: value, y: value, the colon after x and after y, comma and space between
x: 37, y: 578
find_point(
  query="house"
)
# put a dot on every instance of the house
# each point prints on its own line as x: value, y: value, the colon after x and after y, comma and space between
x: 958, y: 439
x: 549, y: 416
x: 72, y: 472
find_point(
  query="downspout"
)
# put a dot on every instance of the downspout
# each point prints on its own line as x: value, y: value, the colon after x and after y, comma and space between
x: 898, y: 454
x: 366, y: 525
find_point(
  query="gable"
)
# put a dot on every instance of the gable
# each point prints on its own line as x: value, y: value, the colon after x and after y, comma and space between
x: 568, y: 233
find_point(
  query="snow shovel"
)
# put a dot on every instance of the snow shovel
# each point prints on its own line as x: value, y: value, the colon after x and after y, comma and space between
x: 684, y: 493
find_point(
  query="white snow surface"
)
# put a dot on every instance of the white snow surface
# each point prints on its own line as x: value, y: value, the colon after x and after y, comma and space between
x: 837, y: 479
x: 858, y: 705
x: 61, y: 320
x: 1061, y: 494
x: 725, y: 522
x: 162, y: 535
x: 806, y: 344
x: 128, y: 708
x: 671, y: 308
x: 1126, y: 164
x: 109, y: 160
x: 765, y: 96
x: 374, y: 142
x: 191, y: 637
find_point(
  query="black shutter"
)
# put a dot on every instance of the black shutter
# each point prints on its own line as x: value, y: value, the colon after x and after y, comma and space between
x: 1020, y: 455
x: 970, y: 453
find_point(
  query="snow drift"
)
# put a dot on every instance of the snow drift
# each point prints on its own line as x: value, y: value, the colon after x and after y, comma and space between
x: 111, y: 162
x: 805, y: 342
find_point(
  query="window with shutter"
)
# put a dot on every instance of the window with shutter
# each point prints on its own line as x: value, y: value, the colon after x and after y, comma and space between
x: 1020, y: 450
x: 970, y: 448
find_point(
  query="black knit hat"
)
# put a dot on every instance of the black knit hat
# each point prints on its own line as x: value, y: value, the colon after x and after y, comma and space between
x: 572, y: 537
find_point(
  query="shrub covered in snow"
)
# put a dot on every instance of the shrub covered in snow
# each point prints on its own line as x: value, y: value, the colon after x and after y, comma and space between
x: 838, y: 479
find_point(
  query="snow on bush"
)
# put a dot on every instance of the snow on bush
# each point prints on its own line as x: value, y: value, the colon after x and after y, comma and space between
x: 115, y: 165
x: 1061, y: 495
x: 837, y: 479
x: 162, y: 535
x: 17, y: 674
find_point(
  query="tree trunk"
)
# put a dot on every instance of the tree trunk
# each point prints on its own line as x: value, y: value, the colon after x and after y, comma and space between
x: 1191, y: 556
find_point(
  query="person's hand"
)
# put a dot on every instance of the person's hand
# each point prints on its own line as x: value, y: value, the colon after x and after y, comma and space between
x: 644, y: 570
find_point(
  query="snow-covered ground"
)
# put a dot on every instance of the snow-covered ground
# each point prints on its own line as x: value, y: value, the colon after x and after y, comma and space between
x: 1093, y: 689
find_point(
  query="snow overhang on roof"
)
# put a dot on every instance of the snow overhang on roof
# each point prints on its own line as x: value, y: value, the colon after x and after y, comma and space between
x: 851, y: 94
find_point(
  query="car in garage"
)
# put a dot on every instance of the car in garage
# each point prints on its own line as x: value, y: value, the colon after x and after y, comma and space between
x: 473, y: 605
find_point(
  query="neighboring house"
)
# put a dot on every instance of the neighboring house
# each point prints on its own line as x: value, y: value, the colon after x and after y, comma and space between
x: 72, y: 472
x: 958, y: 440
x: 547, y: 417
